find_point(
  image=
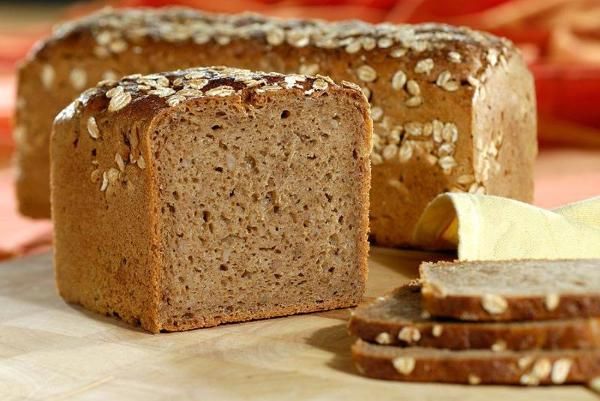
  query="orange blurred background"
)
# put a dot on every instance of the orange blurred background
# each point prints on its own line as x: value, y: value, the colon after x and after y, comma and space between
x: 560, y: 39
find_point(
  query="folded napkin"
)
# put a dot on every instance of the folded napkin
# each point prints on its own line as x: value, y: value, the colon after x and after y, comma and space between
x: 485, y: 227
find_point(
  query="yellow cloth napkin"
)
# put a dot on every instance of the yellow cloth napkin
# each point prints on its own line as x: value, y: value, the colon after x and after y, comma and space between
x: 485, y: 227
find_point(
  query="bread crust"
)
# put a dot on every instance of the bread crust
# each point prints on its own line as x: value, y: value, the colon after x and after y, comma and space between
x: 476, y: 367
x: 448, y: 70
x: 389, y: 315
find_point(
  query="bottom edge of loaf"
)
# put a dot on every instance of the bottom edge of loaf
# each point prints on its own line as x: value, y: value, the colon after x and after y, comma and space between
x: 241, y: 316
x: 154, y: 326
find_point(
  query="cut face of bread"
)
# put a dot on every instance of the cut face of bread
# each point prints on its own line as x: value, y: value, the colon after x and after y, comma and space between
x: 512, y: 290
x: 475, y: 366
x: 214, y: 195
x: 398, y: 319
x: 453, y: 108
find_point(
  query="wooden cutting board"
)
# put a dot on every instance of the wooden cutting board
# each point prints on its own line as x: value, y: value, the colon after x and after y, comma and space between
x: 53, y: 351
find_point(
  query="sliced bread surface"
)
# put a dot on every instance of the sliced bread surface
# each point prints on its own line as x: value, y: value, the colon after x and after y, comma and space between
x: 512, y: 290
x: 398, y: 319
x: 475, y: 366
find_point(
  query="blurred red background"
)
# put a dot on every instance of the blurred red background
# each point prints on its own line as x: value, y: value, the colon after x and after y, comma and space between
x: 560, y: 39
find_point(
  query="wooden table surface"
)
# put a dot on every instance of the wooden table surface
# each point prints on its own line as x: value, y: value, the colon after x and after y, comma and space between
x: 53, y: 351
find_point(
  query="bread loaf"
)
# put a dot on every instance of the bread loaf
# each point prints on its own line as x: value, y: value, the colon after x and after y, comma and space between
x: 204, y: 196
x: 475, y: 366
x: 454, y: 109
x: 398, y: 319
x: 512, y: 290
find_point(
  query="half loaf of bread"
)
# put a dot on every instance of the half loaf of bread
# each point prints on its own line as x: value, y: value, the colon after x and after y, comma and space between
x: 212, y: 195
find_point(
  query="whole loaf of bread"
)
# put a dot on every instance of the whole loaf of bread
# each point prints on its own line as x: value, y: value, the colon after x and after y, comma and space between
x: 453, y: 109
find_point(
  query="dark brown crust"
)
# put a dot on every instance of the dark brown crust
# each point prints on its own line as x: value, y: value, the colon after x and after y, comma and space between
x: 469, y: 308
x: 367, y: 323
x: 471, y: 367
x: 183, y: 325
x: 126, y: 21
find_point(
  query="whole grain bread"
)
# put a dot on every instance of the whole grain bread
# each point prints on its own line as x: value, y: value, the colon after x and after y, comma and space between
x: 454, y: 109
x: 398, y: 319
x: 475, y: 366
x: 212, y: 195
x: 512, y: 290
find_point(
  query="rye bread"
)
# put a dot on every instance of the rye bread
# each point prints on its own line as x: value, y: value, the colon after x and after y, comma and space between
x: 454, y: 109
x: 398, y: 319
x: 475, y: 366
x: 512, y: 290
x: 212, y: 195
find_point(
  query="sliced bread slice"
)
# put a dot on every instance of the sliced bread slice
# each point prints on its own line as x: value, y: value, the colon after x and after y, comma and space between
x: 475, y: 366
x: 512, y: 290
x: 398, y: 319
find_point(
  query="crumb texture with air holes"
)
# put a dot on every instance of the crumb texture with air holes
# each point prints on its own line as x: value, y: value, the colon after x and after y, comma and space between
x: 258, y: 209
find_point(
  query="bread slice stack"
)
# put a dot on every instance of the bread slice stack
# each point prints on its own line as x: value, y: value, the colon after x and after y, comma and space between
x: 512, y: 322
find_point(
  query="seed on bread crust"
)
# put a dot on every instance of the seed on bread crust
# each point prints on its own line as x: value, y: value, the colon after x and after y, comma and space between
x: 383, y: 338
x: 398, y: 80
x: 353, y: 47
x: 524, y: 362
x: 78, y: 78
x: 474, y: 379
x: 376, y: 113
x: 424, y: 66
x: 494, y: 304
x: 47, y: 76
x: 413, y: 87
x: 320, y: 84
x: 528, y: 379
x: 141, y: 163
x: 389, y: 152
x: 542, y: 368
x: 499, y: 345
x: 560, y: 370
x: 376, y: 159
x: 119, y: 100
x: 275, y: 36
x: 414, y: 101
x: 404, y: 365
x: 454, y: 57
x: 366, y: 73
x: 551, y: 301
x: 104, y: 184
x: 222, y: 90
x: 409, y: 334
x: 120, y: 162
x: 92, y: 128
